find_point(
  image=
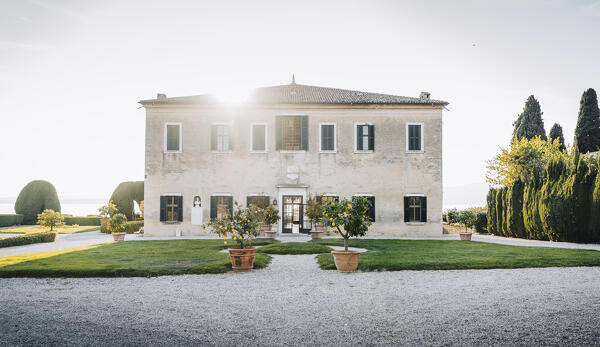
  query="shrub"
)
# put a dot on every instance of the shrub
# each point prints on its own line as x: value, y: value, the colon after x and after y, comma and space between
x: 243, y: 226
x: 7, y: 220
x: 117, y: 223
x: 467, y: 218
x: 452, y: 216
x: 480, y: 220
x: 491, y: 211
x: 314, y: 210
x: 270, y: 215
x: 84, y: 221
x: 107, y: 211
x: 351, y: 215
x: 50, y: 219
x: 133, y: 226
x: 34, y: 198
x: 27, y: 239
x: 125, y: 194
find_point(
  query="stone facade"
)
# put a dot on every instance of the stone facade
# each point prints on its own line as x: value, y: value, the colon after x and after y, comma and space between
x: 389, y: 172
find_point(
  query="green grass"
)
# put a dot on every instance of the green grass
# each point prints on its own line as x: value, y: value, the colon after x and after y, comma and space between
x: 295, y: 248
x: 393, y: 255
x: 128, y: 259
x: 65, y: 229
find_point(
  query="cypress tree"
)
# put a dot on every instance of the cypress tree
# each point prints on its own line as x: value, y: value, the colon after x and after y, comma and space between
x: 557, y: 133
x: 580, y: 188
x: 530, y: 124
x: 499, y: 210
x: 595, y: 208
x: 491, y: 211
x: 514, y: 210
x: 587, y: 131
x: 555, y: 202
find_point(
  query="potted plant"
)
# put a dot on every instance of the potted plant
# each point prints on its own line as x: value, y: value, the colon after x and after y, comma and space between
x: 270, y: 216
x: 468, y: 219
x: 106, y: 212
x: 314, y: 212
x: 117, y: 225
x: 242, y: 227
x: 348, y: 218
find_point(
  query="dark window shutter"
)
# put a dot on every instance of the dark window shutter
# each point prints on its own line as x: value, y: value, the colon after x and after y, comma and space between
x: 173, y: 137
x: 230, y: 132
x: 278, y: 133
x: 163, y: 208
x: 371, y: 211
x: 230, y: 204
x: 213, y: 138
x: 424, y: 209
x: 371, y: 137
x: 248, y: 199
x: 418, y: 133
x: 180, y: 208
x: 406, y: 212
x: 359, y: 134
x: 323, y: 130
x: 304, y: 133
x: 213, y: 207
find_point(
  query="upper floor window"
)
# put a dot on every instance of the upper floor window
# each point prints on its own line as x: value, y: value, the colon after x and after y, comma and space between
x: 258, y: 134
x: 172, y: 137
x: 292, y: 133
x: 414, y: 137
x: 171, y: 208
x: 220, y: 139
x: 415, y: 208
x: 327, y: 137
x: 221, y: 206
x: 365, y: 137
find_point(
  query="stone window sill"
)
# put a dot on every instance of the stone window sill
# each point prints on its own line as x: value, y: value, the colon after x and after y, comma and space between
x: 416, y: 223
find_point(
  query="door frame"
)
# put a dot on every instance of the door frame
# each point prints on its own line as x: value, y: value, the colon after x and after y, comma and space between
x: 300, y: 216
x: 287, y: 191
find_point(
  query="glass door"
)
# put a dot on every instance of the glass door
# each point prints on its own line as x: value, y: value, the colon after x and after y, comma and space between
x: 292, y: 214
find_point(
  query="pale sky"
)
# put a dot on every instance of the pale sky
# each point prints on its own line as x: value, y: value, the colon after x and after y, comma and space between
x: 71, y: 72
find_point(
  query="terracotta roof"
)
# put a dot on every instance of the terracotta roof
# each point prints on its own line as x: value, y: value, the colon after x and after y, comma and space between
x: 304, y: 94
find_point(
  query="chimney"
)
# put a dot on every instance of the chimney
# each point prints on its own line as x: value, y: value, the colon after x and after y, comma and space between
x: 424, y: 96
x: 161, y: 96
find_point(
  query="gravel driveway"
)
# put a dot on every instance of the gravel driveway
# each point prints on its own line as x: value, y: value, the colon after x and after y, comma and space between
x: 292, y: 302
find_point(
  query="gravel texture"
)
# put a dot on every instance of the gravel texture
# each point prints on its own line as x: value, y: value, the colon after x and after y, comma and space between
x: 293, y: 302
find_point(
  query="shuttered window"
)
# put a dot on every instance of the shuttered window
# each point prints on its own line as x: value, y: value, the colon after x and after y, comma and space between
x: 414, y: 137
x: 415, y: 209
x: 220, y: 206
x: 259, y: 137
x: 291, y: 133
x: 327, y: 137
x: 172, y: 137
x: 260, y: 201
x: 171, y: 208
x: 365, y: 137
x: 221, y: 138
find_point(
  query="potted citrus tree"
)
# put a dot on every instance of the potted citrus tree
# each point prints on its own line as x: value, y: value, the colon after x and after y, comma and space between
x: 349, y: 219
x: 314, y: 212
x: 270, y: 216
x: 242, y: 227
x: 467, y: 218
x: 117, y: 225
x: 106, y: 212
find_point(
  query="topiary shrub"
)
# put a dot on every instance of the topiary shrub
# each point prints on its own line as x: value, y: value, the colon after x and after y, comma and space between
x: 34, y: 198
x: 125, y: 194
x: 27, y: 239
x: 134, y: 226
x: 7, y: 220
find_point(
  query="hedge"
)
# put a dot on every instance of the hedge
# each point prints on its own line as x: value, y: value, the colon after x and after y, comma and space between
x: 125, y: 194
x: 132, y: 227
x: 7, y: 220
x: 27, y: 239
x: 83, y: 221
x: 34, y: 198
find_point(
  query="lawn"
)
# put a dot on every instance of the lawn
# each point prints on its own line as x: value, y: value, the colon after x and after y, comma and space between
x: 65, y: 229
x: 128, y: 259
x: 392, y: 255
x: 295, y: 248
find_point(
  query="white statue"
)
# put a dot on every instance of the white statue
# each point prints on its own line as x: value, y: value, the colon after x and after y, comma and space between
x: 197, y: 211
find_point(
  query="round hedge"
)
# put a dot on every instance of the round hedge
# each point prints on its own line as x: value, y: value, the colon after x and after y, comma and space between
x: 34, y: 198
x: 125, y: 194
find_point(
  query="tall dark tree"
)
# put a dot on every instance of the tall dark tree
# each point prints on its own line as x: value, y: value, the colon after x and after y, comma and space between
x: 557, y: 133
x: 587, y: 131
x: 530, y: 124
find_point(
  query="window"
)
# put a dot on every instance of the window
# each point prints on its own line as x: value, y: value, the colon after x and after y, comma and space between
x: 172, y: 137
x: 414, y: 137
x: 371, y: 210
x: 220, y: 206
x: 415, y: 209
x: 258, y: 134
x: 327, y: 137
x: 171, y: 207
x: 292, y: 133
x: 365, y: 137
x: 325, y: 199
x: 221, y: 140
x: 260, y: 201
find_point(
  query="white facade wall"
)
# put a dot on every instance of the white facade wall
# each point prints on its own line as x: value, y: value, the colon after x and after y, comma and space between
x: 388, y: 173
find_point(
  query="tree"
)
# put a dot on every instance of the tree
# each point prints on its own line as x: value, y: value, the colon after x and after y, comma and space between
x: 125, y: 194
x: 556, y: 133
x: 34, y: 198
x: 349, y: 215
x: 107, y: 211
x: 117, y: 223
x: 587, y: 131
x: 467, y: 218
x: 530, y: 124
x: 51, y: 219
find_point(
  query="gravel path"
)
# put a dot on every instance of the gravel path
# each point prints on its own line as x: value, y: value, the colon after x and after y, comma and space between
x: 293, y: 302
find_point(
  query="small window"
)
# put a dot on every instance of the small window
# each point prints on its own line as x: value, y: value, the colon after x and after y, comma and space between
x: 414, y: 137
x: 327, y: 136
x: 415, y: 209
x: 291, y: 133
x: 259, y: 137
x: 221, y: 140
x: 172, y: 137
x: 221, y: 206
x: 365, y: 137
x: 171, y: 208
x: 325, y: 199
x: 261, y: 201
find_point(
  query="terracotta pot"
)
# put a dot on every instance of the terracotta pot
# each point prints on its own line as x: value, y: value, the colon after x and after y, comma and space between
x: 271, y: 234
x: 316, y: 234
x: 242, y: 259
x: 103, y: 222
x: 266, y: 227
x: 346, y: 261
x: 118, y: 236
x: 466, y: 236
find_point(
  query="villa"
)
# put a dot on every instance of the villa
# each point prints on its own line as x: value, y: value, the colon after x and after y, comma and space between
x: 290, y: 142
